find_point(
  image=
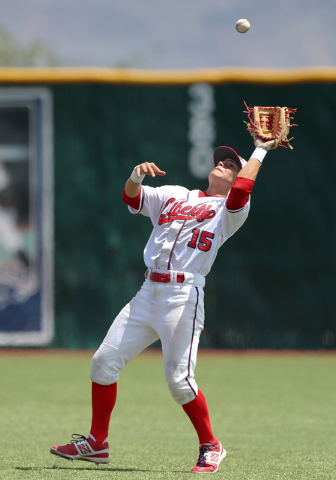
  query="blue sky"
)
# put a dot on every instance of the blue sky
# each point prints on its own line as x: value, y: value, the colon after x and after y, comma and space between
x: 178, y: 34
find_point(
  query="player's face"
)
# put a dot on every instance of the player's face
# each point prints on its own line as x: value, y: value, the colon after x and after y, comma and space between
x: 226, y: 169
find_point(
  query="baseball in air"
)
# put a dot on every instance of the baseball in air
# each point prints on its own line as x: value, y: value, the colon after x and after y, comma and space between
x: 242, y: 25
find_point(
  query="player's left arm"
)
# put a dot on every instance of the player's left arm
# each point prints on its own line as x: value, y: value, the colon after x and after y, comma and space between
x: 252, y: 167
x: 242, y: 188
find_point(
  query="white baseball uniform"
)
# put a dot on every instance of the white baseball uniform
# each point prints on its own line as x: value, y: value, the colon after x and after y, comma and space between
x: 188, y: 229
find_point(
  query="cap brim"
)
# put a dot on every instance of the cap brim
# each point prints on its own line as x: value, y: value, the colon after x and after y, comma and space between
x: 221, y: 153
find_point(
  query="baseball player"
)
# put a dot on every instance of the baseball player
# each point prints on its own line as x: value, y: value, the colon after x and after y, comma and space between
x: 188, y: 229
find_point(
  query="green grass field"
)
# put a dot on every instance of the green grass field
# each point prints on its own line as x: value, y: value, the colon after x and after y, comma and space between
x: 275, y: 414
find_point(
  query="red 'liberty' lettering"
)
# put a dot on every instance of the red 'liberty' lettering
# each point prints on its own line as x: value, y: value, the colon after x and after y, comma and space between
x: 171, y: 200
x: 178, y: 211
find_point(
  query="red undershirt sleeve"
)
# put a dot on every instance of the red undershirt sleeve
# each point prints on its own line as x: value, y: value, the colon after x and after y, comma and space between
x: 132, y: 202
x: 239, y: 193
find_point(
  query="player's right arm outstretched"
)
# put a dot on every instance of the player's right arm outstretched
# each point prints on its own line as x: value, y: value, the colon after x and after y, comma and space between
x: 133, y: 184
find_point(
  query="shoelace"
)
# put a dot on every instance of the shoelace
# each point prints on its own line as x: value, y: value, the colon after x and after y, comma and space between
x: 77, y: 438
x: 202, y: 458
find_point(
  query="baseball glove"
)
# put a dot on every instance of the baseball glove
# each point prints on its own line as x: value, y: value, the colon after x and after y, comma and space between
x: 270, y: 123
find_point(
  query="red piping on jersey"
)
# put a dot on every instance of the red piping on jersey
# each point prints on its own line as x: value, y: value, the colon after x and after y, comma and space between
x: 171, y: 253
x: 192, y: 341
x: 142, y: 198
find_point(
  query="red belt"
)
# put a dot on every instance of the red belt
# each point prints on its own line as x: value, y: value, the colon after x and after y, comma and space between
x: 164, y: 277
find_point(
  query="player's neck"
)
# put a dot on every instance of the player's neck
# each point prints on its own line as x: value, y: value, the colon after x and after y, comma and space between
x: 214, y: 193
x: 218, y: 189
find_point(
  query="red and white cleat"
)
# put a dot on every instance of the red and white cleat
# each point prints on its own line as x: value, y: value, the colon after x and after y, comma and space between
x: 209, y: 458
x: 82, y: 448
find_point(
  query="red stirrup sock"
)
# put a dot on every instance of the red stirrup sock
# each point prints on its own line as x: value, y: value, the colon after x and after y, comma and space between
x: 198, y: 413
x: 103, y: 401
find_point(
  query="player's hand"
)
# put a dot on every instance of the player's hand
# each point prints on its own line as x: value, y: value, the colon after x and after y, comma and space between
x: 149, y: 169
x: 267, y: 144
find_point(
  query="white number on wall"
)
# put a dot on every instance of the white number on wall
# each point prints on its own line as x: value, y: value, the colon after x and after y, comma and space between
x: 202, y: 130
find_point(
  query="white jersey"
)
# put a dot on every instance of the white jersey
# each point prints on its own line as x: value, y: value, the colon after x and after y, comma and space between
x: 189, y: 228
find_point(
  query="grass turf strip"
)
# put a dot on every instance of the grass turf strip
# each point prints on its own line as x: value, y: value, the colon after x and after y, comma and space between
x: 275, y: 416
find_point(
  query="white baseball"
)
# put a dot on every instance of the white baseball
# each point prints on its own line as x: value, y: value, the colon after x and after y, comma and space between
x: 242, y: 25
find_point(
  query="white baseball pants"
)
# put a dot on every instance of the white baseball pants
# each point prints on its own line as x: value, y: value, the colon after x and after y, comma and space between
x: 171, y: 312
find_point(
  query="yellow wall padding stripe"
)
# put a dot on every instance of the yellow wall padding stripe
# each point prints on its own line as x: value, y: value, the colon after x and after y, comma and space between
x: 17, y: 75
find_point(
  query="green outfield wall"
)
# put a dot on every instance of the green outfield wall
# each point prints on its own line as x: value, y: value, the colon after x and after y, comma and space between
x: 273, y: 282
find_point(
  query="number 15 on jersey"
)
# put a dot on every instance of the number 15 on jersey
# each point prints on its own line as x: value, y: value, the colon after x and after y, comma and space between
x: 201, y: 239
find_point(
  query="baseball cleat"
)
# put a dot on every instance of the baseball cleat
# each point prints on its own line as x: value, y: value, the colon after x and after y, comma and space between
x: 209, y: 458
x: 82, y: 448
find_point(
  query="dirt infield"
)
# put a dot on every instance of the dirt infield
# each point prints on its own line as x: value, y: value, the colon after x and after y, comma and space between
x: 150, y: 352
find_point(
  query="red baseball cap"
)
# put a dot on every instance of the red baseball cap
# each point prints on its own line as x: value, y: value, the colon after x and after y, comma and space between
x: 221, y: 153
